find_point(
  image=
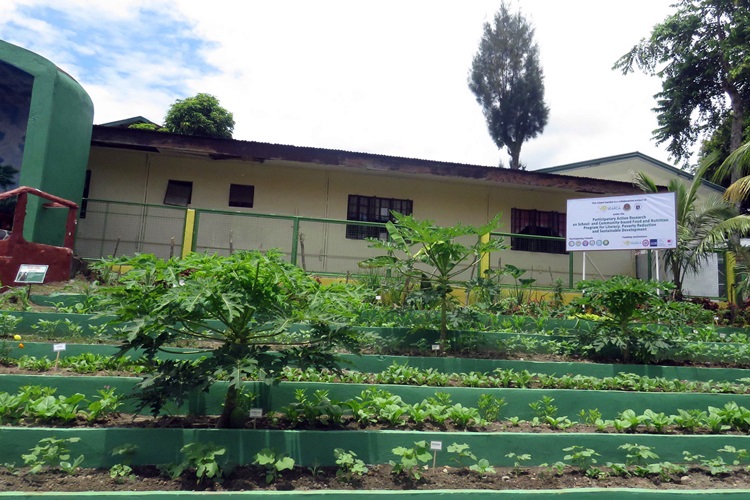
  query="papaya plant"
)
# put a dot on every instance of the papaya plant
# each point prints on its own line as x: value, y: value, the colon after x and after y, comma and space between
x: 239, y: 310
x: 433, y: 255
x: 622, y: 300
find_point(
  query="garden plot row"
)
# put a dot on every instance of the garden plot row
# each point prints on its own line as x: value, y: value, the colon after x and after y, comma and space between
x: 573, y: 494
x: 311, y: 447
x: 380, y: 363
x: 732, y: 349
x: 331, y: 405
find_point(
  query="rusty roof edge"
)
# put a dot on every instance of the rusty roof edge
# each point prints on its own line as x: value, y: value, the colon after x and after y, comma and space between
x: 257, y: 151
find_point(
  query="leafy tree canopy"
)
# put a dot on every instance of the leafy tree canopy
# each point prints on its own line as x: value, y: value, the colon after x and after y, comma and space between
x: 508, y: 82
x: 700, y: 53
x: 201, y: 115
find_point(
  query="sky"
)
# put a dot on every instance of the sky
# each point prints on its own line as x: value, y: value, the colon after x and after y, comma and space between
x: 377, y: 76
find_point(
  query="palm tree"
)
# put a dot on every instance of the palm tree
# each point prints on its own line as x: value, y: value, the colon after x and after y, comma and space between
x: 739, y: 163
x: 702, y: 228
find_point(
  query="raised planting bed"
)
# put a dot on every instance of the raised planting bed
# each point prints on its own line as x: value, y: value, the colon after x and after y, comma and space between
x: 311, y: 447
x: 517, y: 403
x: 444, y: 364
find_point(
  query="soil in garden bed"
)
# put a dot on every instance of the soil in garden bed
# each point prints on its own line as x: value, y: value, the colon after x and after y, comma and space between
x: 379, y: 477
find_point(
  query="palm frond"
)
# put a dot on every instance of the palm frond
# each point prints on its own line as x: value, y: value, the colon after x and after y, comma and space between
x: 739, y: 190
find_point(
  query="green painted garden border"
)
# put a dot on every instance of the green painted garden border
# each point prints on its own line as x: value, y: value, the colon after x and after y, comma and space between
x: 593, y: 493
x: 378, y: 363
x: 309, y: 447
x: 274, y: 397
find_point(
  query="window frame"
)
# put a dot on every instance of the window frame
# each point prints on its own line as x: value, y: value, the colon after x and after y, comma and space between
x: 535, y: 220
x: 373, y: 209
x: 240, y: 201
x: 171, y: 197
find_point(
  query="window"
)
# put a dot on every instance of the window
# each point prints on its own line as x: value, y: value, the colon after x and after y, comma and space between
x: 241, y: 195
x: 179, y: 193
x: 373, y: 209
x: 537, y: 223
x: 86, y: 188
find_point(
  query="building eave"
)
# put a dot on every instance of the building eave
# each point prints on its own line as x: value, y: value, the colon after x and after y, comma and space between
x: 259, y: 152
x: 562, y: 169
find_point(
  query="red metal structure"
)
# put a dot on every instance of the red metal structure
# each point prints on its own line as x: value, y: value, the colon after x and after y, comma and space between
x: 15, y: 250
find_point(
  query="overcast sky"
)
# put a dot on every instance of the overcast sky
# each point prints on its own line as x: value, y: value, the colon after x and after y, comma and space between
x: 386, y: 76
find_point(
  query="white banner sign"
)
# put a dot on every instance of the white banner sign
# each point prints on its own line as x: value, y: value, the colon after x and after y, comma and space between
x: 633, y: 222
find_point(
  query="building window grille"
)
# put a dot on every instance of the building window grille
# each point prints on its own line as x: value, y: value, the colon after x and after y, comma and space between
x: 537, y: 223
x: 373, y: 209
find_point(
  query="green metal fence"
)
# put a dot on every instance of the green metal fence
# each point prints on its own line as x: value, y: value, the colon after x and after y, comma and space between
x: 108, y: 228
x: 326, y: 246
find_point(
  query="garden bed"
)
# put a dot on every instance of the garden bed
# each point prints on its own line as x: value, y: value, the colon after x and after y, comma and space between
x: 301, y: 480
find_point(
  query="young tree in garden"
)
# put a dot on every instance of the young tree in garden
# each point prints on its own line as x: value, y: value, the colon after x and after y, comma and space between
x: 700, y: 53
x: 702, y: 227
x: 201, y: 115
x: 424, y: 252
x: 240, y: 308
x: 508, y: 82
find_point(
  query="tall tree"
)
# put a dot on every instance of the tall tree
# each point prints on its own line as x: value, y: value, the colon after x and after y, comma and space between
x: 508, y: 82
x: 700, y: 53
x: 200, y: 115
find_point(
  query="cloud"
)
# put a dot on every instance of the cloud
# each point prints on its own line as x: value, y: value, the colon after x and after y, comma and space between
x: 385, y: 77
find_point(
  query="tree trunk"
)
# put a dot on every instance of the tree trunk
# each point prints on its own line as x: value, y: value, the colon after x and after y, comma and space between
x: 514, y: 150
x: 735, y: 141
x: 443, y: 321
x: 230, y: 403
x: 677, y: 278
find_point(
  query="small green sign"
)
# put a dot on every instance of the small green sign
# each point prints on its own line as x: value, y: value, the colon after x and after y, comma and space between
x: 31, y: 273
